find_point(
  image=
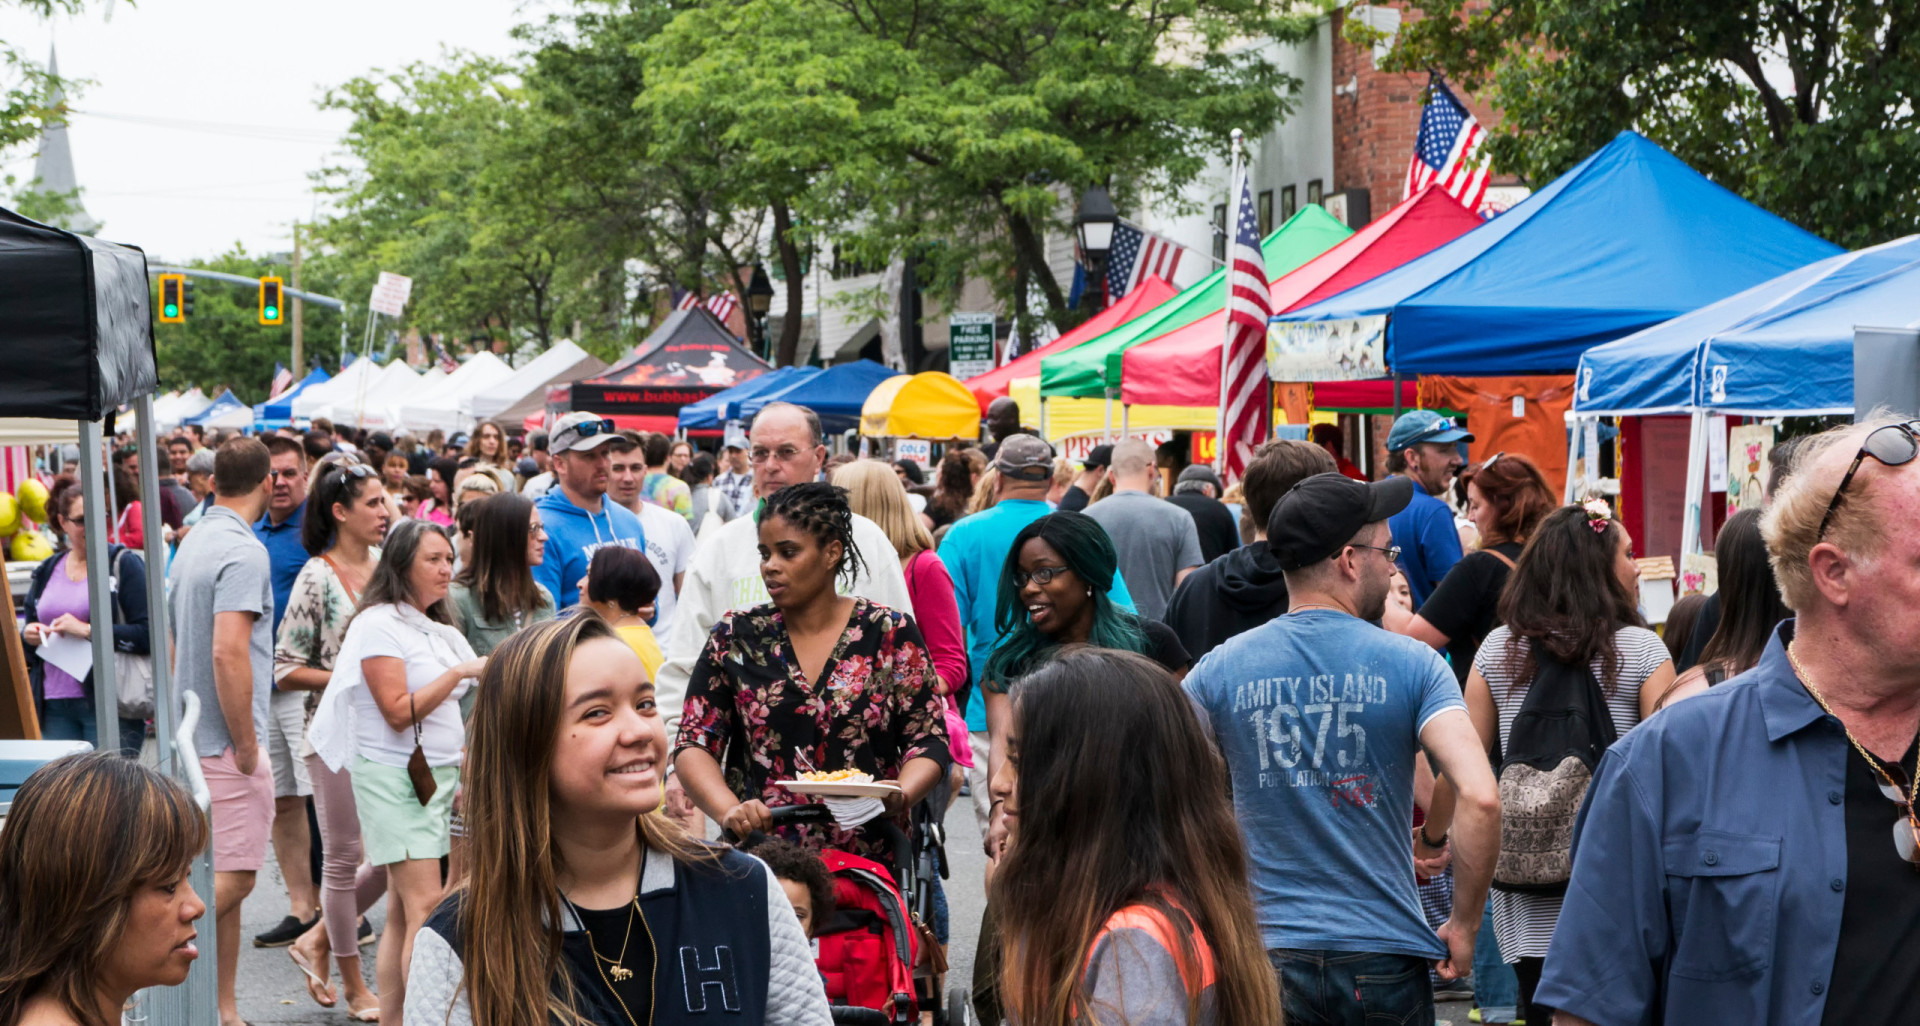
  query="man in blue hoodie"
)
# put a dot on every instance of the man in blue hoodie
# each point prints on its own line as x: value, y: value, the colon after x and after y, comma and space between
x: 578, y: 518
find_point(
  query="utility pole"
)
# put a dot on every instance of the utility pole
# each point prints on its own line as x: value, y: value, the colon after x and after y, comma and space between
x: 298, y: 366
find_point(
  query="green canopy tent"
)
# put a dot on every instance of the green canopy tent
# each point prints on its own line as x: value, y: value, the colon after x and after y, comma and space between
x: 1089, y: 370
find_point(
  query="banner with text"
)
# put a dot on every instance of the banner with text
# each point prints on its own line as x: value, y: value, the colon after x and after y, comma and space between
x: 1345, y: 350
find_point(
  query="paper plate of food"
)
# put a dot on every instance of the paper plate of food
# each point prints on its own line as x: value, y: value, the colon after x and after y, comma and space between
x: 839, y: 784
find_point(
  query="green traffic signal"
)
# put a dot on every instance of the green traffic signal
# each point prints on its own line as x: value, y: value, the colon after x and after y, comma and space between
x: 173, y: 310
x: 273, y: 313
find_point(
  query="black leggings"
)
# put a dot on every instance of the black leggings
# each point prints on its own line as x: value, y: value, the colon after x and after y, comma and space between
x: 1527, y: 973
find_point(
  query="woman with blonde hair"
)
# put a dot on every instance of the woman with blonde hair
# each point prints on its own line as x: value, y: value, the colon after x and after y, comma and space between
x: 582, y: 907
x: 96, y: 906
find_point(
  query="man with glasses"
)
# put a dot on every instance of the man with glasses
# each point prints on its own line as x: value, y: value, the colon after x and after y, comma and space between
x: 1319, y: 715
x: 786, y: 447
x: 1424, y: 447
x: 1750, y: 855
x: 579, y: 519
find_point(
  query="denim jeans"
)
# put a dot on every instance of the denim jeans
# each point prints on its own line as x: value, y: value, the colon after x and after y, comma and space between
x: 72, y: 719
x: 1494, y: 988
x: 1336, y: 988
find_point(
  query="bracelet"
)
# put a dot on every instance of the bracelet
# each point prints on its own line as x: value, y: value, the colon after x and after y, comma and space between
x: 1430, y: 842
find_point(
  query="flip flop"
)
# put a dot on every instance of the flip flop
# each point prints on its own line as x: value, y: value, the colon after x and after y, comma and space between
x: 367, y: 1014
x: 322, y: 997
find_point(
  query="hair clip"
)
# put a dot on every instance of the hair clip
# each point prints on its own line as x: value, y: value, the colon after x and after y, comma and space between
x: 1599, y: 514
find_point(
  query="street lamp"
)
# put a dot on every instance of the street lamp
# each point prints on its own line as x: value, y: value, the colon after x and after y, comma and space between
x: 759, y: 301
x: 1093, y: 223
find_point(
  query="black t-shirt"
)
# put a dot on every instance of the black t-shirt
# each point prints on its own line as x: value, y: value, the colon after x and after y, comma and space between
x: 1163, y: 646
x: 1876, y: 969
x: 1219, y: 534
x: 1463, y: 607
x: 608, y: 928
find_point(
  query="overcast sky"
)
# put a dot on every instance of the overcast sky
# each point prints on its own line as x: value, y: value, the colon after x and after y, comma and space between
x: 200, y: 126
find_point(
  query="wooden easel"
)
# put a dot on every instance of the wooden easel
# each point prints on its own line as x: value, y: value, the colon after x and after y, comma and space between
x: 17, y: 719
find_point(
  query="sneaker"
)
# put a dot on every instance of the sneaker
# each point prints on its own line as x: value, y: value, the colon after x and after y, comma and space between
x: 286, y: 933
x: 366, y: 932
x: 1455, y: 991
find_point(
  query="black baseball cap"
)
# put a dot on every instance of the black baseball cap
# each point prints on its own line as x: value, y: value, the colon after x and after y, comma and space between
x: 1099, y: 456
x: 1321, y: 514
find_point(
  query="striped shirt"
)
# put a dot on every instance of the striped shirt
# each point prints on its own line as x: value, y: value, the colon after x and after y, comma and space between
x: 1524, y: 922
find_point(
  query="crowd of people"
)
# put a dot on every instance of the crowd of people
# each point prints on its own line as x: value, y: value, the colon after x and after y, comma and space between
x: 1310, y: 748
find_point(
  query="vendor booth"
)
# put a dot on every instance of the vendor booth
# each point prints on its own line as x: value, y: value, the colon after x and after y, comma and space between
x: 1150, y: 293
x: 226, y: 413
x: 170, y: 410
x: 524, y: 394
x: 277, y: 412
x: 688, y: 358
x: 348, y: 385
x: 836, y: 394
x: 448, y: 403
x: 1782, y: 348
x: 932, y: 405
x: 76, y: 319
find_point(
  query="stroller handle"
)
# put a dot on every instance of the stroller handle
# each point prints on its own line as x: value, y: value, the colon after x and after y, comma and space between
x: 791, y: 814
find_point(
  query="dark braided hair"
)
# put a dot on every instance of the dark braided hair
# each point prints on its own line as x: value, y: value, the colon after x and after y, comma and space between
x: 821, y: 510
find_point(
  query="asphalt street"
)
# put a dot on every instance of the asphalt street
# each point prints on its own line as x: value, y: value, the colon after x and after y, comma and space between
x: 272, y: 990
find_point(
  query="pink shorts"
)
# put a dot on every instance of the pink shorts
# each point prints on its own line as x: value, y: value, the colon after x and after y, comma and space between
x: 242, y: 812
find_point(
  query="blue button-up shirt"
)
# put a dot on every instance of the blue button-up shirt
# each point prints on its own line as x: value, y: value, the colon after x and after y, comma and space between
x: 1709, y: 863
x: 286, y: 553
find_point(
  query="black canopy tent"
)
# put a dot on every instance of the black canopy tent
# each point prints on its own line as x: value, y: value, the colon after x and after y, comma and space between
x: 76, y: 329
x: 689, y: 357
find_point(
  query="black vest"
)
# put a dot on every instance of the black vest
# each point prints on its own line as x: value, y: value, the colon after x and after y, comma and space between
x: 710, y: 928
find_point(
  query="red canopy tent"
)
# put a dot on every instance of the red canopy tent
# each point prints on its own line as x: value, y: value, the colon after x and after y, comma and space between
x: 1182, y: 367
x: 995, y: 383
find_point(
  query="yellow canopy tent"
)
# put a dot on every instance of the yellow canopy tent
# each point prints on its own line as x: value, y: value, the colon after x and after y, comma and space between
x: 931, y: 404
x: 1069, y: 415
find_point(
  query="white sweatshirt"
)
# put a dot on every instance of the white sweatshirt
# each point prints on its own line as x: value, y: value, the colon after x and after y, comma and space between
x: 725, y: 576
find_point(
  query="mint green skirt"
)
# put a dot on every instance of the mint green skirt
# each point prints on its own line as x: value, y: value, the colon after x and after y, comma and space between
x: 394, y: 826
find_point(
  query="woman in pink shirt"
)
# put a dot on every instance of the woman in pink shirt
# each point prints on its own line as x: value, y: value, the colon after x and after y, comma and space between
x: 874, y: 491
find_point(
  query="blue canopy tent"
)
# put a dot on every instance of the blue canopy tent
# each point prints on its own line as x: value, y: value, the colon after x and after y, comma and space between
x: 711, y: 412
x: 225, y: 412
x: 1629, y: 238
x: 277, y: 412
x: 836, y: 394
x: 1781, y: 348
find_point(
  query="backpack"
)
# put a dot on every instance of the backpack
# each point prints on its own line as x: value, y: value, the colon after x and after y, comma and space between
x: 867, y: 949
x: 1561, y: 731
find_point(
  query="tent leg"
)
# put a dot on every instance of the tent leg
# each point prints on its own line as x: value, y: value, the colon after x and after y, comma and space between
x: 1396, y: 396
x: 106, y: 705
x: 1109, y: 414
x: 1575, y: 425
x: 156, y: 560
x: 1126, y: 419
x: 1696, y: 484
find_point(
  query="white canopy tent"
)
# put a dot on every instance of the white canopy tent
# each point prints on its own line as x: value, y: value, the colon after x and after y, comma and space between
x: 372, y: 406
x: 448, y: 405
x: 178, y: 408
x: 525, y: 393
x: 312, y: 402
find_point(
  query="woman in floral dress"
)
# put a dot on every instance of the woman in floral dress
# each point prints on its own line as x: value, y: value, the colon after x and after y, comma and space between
x: 812, y: 681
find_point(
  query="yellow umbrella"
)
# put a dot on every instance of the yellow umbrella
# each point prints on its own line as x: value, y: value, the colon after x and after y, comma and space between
x: 931, y: 404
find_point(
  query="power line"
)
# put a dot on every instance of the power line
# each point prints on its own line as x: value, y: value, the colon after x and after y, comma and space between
x: 267, y: 133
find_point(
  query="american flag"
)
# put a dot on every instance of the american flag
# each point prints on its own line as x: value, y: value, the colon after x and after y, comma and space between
x: 446, y: 360
x: 1449, y: 149
x: 1244, y: 409
x: 687, y: 301
x: 721, y: 305
x: 1135, y: 256
x: 282, y: 380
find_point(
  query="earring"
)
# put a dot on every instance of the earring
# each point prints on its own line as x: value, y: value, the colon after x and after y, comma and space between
x: 1089, y: 591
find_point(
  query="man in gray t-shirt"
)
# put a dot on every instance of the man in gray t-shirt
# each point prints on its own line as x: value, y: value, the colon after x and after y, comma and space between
x: 1157, y: 542
x: 220, y: 603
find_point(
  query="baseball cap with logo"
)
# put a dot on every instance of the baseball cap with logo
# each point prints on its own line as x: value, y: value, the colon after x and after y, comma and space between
x: 736, y: 436
x: 1416, y: 426
x: 578, y: 432
x: 1320, y: 515
x: 1024, y: 458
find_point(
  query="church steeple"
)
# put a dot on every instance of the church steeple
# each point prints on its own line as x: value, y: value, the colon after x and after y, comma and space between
x: 53, y: 165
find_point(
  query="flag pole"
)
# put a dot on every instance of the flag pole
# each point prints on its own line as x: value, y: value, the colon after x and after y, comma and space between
x: 1220, y: 439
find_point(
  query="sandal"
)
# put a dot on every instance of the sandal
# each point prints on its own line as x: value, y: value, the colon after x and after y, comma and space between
x: 368, y: 1014
x: 323, y: 996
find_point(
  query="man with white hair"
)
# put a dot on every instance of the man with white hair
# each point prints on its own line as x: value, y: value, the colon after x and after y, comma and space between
x: 787, y: 448
x: 1158, y: 543
x: 1750, y: 855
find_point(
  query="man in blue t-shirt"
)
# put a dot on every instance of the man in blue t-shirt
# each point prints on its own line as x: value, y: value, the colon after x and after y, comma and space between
x: 1320, y: 715
x: 1424, y: 447
x: 975, y: 553
x: 578, y: 516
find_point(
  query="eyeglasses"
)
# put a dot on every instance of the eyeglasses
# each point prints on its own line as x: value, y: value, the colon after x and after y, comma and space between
x: 785, y: 454
x: 590, y: 428
x: 293, y: 474
x: 79, y: 520
x: 1894, y: 445
x: 1392, y: 552
x: 1041, y: 575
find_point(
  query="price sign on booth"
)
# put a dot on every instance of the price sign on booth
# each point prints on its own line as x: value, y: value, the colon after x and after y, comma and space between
x: 916, y: 449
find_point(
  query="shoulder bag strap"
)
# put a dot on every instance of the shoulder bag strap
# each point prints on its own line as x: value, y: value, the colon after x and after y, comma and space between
x: 342, y: 578
x: 1501, y: 556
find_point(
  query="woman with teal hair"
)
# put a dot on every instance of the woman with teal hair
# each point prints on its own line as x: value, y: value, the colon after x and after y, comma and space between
x: 1056, y: 590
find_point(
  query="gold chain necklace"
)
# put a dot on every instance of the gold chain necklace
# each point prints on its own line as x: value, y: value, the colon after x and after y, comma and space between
x: 621, y: 972
x: 1913, y: 798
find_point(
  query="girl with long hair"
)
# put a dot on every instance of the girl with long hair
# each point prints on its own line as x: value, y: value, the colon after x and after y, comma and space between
x: 345, y: 519
x: 495, y: 593
x: 1123, y: 897
x: 679, y: 454
x: 1574, y: 594
x: 582, y: 906
x: 438, y: 508
x: 810, y: 681
x: 1750, y: 607
x: 57, y: 604
x: 1507, y: 497
x: 488, y: 444
x: 95, y: 903
x: 391, y: 715
x: 953, y: 485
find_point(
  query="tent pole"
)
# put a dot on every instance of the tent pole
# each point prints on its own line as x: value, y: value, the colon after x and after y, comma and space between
x: 1109, y: 414
x: 1696, y: 483
x: 1396, y: 395
x: 1126, y: 419
x: 156, y: 561
x: 106, y: 705
x: 1572, y: 487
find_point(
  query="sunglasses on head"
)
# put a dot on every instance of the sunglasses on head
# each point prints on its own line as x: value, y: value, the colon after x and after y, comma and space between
x: 588, y: 429
x: 1894, y: 445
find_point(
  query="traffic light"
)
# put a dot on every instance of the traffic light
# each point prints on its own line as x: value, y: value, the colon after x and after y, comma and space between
x: 272, y: 310
x: 172, y: 299
x: 186, y: 298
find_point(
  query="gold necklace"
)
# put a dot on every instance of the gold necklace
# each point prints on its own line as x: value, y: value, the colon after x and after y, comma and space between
x: 1913, y: 799
x: 620, y: 972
